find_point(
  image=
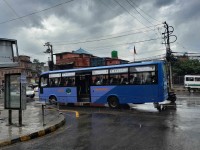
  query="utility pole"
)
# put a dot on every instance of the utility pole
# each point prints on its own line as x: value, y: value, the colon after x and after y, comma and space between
x: 50, y: 51
x: 167, y: 34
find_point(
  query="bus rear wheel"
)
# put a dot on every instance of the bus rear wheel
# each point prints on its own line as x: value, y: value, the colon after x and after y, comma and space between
x: 52, y: 100
x: 113, y: 102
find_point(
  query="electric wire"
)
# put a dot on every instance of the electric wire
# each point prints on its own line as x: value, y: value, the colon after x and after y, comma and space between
x: 113, y: 10
x: 13, y: 10
x: 102, y: 37
x: 129, y: 12
x: 97, y: 40
x: 18, y: 17
x: 138, y: 11
x: 141, y: 15
x: 126, y: 43
x: 134, y: 16
x: 156, y: 57
x: 57, y: 5
x: 144, y: 11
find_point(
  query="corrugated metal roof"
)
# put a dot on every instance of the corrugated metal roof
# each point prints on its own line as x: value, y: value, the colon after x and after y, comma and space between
x: 81, y: 51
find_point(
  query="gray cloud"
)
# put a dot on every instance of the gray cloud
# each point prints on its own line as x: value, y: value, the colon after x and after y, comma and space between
x: 92, y: 19
x: 161, y: 3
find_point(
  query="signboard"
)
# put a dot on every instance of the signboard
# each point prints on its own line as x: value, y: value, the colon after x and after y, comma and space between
x: 55, y: 75
x: 99, y: 72
x: 8, y: 52
x: 23, y: 79
x: 68, y: 74
x: 119, y: 70
x: 143, y: 68
x: 15, y: 92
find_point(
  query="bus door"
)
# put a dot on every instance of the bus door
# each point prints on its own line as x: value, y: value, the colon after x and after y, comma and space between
x: 83, y: 81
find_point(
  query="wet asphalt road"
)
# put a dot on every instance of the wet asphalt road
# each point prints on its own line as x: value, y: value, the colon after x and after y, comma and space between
x: 143, y: 127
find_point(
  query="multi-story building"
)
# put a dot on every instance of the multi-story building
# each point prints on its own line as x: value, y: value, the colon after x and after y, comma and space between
x: 74, y: 59
x: 31, y: 70
x: 81, y: 58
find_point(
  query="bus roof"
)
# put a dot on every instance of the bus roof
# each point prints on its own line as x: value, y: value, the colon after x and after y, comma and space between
x: 197, y: 75
x: 106, y: 67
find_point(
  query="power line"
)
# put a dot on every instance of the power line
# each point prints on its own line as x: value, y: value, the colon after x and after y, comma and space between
x: 156, y: 57
x: 129, y: 12
x: 151, y: 51
x: 13, y: 10
x: 36, y: 12
x: 142, y: 53
x: 143, y: 11
x: 133, y: 16
x: 112, y: 9
x: 102, y: 39
x: 126, y: 43
x: 138, y: 12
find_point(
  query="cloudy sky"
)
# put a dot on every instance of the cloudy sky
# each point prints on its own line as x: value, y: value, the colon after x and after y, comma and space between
x: 100, y: 26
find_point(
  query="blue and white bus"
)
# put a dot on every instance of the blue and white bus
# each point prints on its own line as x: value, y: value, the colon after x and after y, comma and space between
x: 142, y: 82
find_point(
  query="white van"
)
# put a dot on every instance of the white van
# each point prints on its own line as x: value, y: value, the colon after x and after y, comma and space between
x: 192, y: 82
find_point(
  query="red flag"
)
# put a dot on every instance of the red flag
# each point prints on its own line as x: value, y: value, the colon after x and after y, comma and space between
x: 134, y: 50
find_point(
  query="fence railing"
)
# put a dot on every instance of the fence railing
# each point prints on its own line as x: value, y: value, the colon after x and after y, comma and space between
x: 179, y: 80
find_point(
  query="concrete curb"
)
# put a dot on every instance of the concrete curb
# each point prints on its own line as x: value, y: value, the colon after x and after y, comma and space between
x: 34, y: 134
x: 180, y: 90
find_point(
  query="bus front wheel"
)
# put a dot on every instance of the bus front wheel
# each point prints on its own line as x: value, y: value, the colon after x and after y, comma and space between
x: 113, y: 102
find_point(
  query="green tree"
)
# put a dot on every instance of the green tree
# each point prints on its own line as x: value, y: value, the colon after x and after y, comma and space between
x: 36, y: 61
x: 183, y: 67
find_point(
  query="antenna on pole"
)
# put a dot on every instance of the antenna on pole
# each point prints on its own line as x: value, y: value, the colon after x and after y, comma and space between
x: 167, y: 34
x: 50, y: 51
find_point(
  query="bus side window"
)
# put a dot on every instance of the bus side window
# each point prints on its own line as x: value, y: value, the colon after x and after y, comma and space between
x: 52, y: 83
x: 137, y: 80
x: 121, y: 80
x: 125, y: 81
x: 73, y: 82
x: 104, y: 81
x: 131, y: 79
x: 153, y: 79
x: 148, y: 79
x: 69, y: 82
x: 44, y: 82
x: 197, y: 79
x: 66, y: 82
x: 111, y: 81
x: 57, y: 81
x: 189, y: 79
x: 114, y: 80
x: 97, y: 81
x: 62, y: 82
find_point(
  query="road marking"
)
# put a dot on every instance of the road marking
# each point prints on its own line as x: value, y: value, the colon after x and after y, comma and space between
x: 189, y: 97
x: 25, y: 138
x: 74, y: 111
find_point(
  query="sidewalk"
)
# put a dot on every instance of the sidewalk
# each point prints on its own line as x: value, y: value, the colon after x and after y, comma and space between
x: 32, y: 121
x: 177, y: 88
